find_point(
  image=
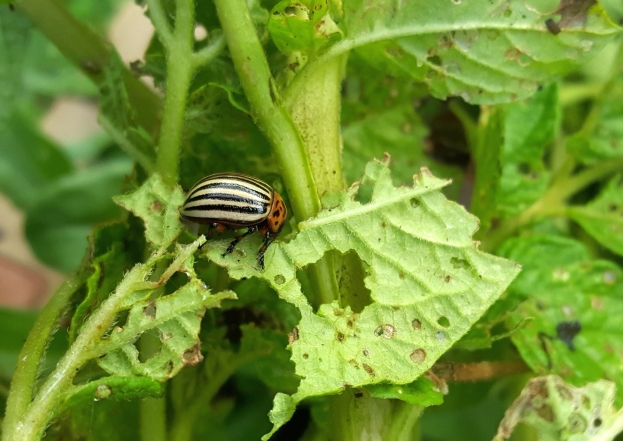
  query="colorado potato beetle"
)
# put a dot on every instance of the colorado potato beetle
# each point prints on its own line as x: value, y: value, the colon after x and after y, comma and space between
x: 234, y: 200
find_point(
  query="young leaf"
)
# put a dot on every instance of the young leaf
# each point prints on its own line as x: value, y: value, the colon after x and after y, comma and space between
x: 303, y: 26
x: 603, y: 217
x: 575, y: 305
x: 157, y: 205
x: 484, y: 52
x: 428, y: 281
x: 558, y: 411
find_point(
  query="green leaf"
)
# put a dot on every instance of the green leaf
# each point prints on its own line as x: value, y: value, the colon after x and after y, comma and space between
x: 603, y: 217
x: 177, y: 317
x: 487, y: 154
x: 421, y: 392
x: 574, y: 303
x: 303, y: 26
x: 529, y: 128
x: 113, y: 254
x: 484, y: 52
x: 115, y: 389
x: 157, y: 205
x: 559, y: 411
x: 58, y: 224
x: 428, y: 281
x: 397, y: 131
x: 602, y: 135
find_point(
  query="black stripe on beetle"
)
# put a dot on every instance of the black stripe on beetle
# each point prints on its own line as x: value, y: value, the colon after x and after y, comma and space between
x: 233, y: 200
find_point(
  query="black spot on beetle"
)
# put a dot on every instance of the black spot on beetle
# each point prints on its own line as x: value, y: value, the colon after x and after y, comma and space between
x: 566, y: 331
x: 276, y: 213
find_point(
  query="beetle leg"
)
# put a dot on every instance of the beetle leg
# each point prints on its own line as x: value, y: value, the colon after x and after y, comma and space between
x: 268, y: 239
x: 237, y: 239
x: 209, y: 233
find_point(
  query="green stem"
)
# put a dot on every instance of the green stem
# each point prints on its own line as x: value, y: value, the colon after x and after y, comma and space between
x: 405, y: 417
x: 83, y: 47
x: 25, y: 376
x: 552, y: 202
x: 273, y: 119
x: 34, y: 416
x: 180, y: 68
x: 248, y: 56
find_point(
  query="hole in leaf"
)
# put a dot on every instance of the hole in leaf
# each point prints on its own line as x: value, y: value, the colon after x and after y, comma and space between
x: 546, y: 413
x: 458, y: 263
x: 385, y: 331
x: 524, y: 168
x: 597, y: 422
x: 415, y: 202
x: 443, y: 321
x: 279, y: 279
x: 435, y: 60
x: 351, y: 277
x: 148, y: 345
x: 177, y: 280
x: 150, y: 310
x: 364, y: 193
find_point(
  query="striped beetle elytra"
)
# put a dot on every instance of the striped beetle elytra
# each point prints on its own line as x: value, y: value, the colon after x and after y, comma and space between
x: 234, y: 200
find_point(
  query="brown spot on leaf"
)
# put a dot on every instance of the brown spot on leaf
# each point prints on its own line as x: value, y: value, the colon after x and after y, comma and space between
x: 369, y: 370
x: 340, y: 337
x: 156, y: 206
x: 192, y: 356
x: 387, y: 331
x: 293, y: 336
x: 418, y: 356
x: 417, y: 325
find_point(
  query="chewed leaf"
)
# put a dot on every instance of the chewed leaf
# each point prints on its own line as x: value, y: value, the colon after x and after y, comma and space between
x: 157, y: 205
x: 177, y: 317
x: 575, y: 304
x: 485, y: 52
x: 560, y: 411
x: 428, y: 282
